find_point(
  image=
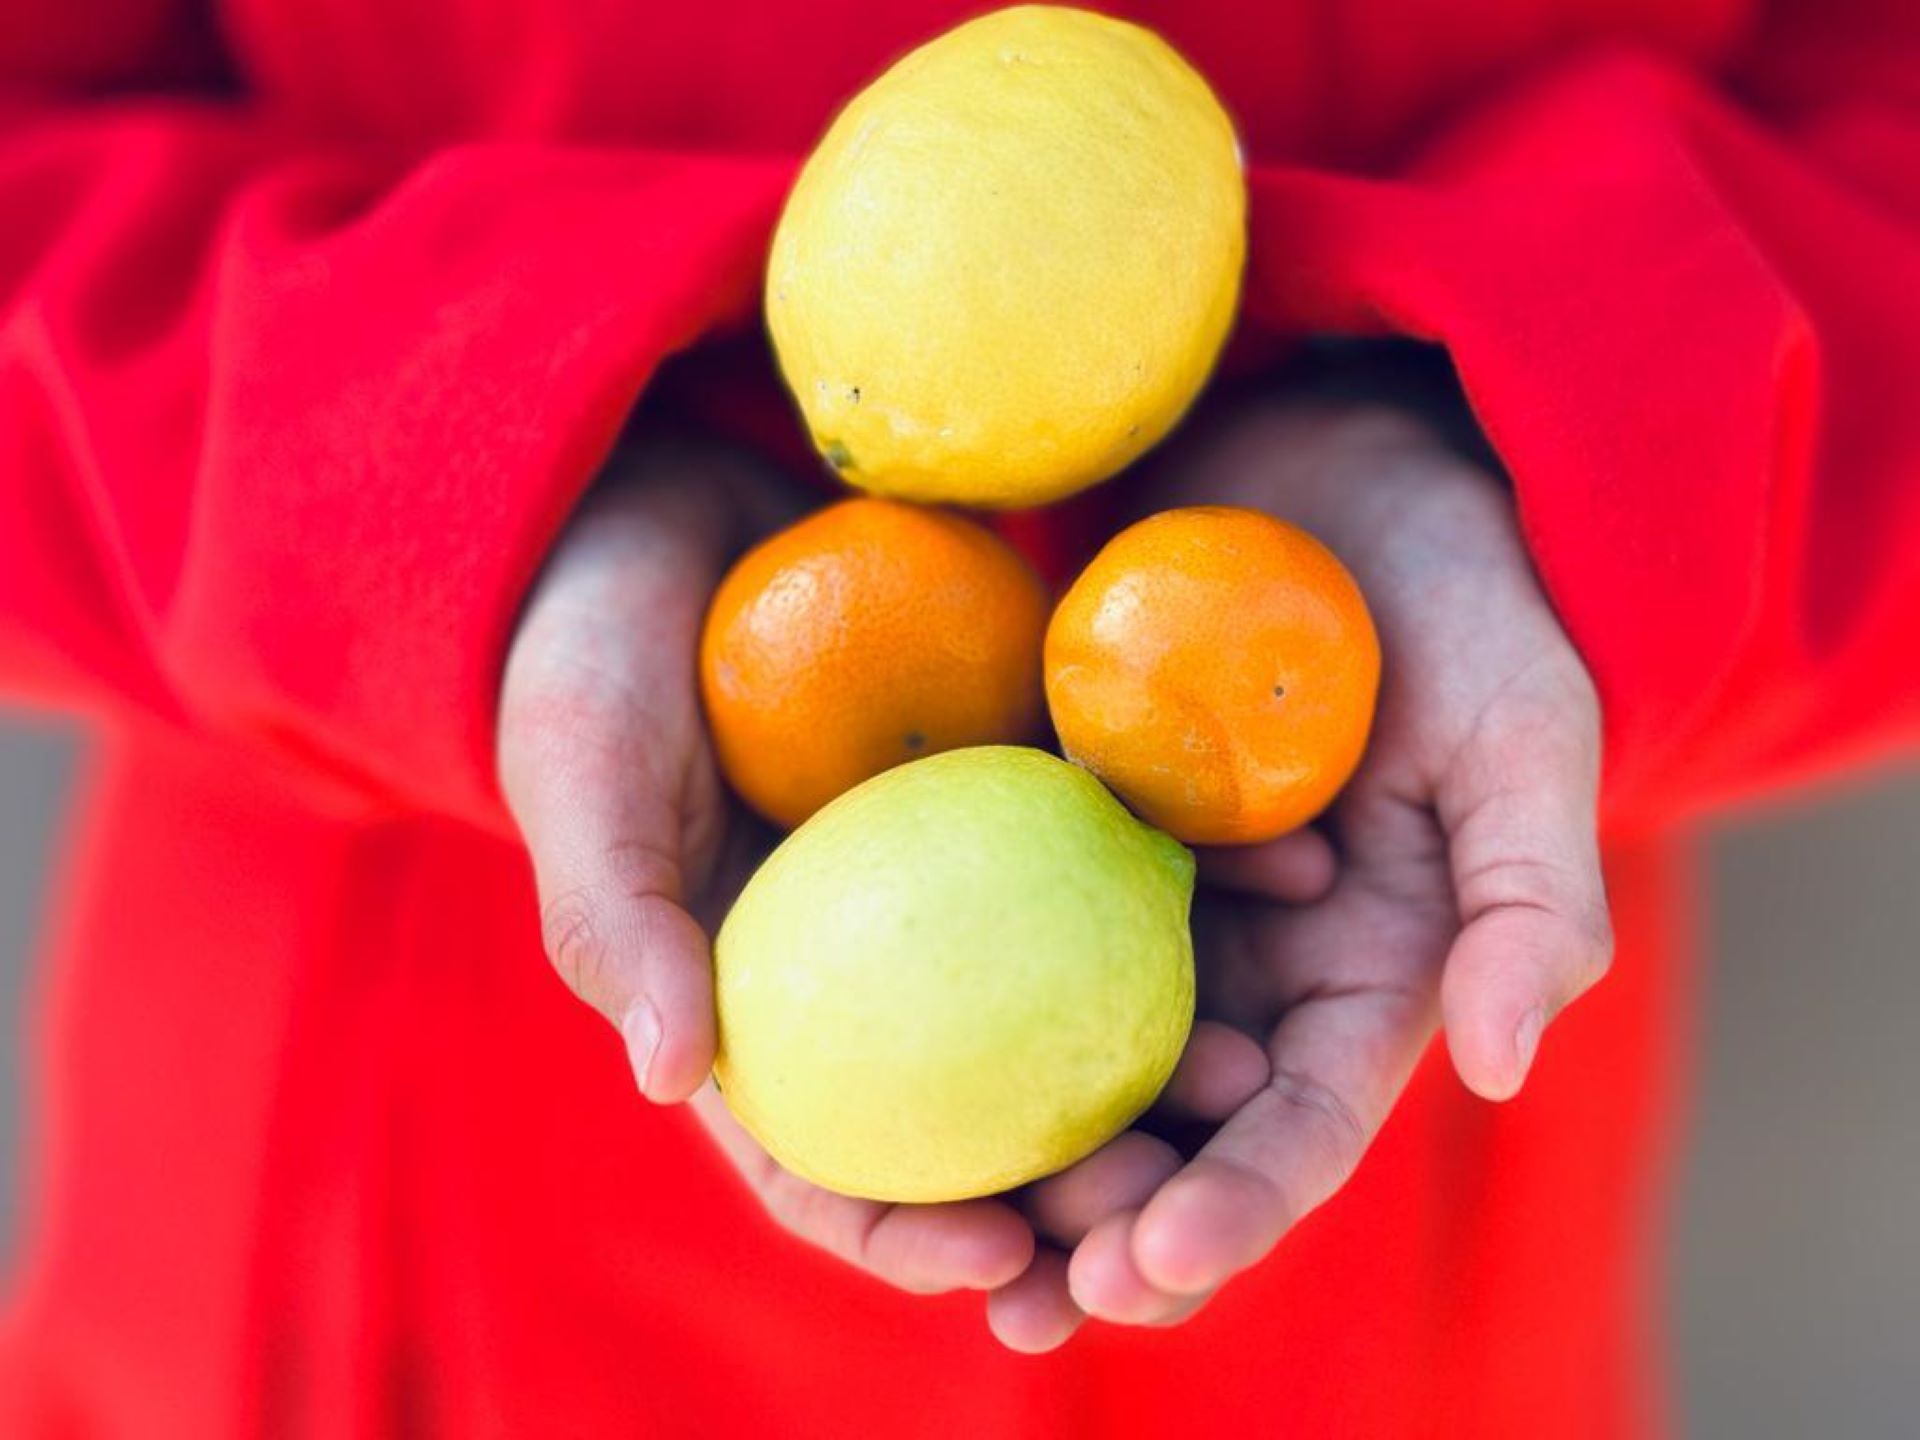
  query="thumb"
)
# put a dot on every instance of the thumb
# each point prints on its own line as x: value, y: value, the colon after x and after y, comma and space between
x: 605, y: 768
x: 614, y: 924
x: 1520, y: 812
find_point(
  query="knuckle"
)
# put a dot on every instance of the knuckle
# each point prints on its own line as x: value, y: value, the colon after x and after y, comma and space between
x: 647, y: 864
x: 1596, y: 945
x: 571, y: 934
x: 1518, y: 883
x: 820, y: 1218
x: 777, y: 1200
x: 1569, y: 929
x: 790, y: 1206
x: 798, y: 1208
x: 1343, y: 1137
x: 587, y: 928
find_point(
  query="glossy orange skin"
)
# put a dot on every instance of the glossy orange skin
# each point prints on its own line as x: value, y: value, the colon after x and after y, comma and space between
x: 869, y: 634
x: 1218, y: 669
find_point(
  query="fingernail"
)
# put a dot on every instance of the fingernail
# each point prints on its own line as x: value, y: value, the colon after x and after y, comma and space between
x: 1526, y: 1040
x: 640, y: 1028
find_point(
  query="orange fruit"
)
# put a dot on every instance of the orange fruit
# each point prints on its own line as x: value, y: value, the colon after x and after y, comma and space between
x: 869, y: 634
x: 1218, y: 669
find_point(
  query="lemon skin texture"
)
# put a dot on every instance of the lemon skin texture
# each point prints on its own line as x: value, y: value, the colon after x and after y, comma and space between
x: 1009, y: 265
x: 962, y: 975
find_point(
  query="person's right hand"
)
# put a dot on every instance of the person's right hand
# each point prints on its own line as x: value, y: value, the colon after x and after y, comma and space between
x: 1455, y: 883
x: 637, y: 847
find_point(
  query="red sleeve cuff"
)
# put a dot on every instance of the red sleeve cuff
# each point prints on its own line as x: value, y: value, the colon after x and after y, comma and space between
x: 407, y: 400
x: 1686, y: 346
x: 285, y: 432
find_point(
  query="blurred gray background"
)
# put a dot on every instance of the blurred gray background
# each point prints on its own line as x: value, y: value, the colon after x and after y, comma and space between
x: 1797, y: 1253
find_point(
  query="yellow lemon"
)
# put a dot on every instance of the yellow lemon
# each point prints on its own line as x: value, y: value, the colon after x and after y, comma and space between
x: 1010, y: 263
x: 966, y: 973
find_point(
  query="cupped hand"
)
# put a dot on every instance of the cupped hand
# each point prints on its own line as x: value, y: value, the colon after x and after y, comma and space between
x: 637, y: 847
x: 1467, y: 891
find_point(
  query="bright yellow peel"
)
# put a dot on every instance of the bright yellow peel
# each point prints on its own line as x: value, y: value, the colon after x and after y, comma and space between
x: 1010, y: 264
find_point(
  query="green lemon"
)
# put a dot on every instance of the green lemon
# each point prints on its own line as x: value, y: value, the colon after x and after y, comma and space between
x: 964, y: 974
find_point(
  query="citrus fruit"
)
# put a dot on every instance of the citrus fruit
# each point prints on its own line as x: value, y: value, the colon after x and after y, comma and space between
x: 868, y: 634
x: 967, y: 973
x: 1218, y: 668
x: 1010, y: 263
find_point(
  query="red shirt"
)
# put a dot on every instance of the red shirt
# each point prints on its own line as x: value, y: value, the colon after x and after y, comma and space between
x: 315, y: 317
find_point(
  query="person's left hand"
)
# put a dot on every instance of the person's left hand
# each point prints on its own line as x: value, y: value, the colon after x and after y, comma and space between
x: 636, y: 846
x: 1466, y: 890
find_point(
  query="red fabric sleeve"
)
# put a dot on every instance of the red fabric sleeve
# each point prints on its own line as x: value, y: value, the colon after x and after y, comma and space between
x: 285, y: 432
x: 1693, y: 334
x: 50, y: 47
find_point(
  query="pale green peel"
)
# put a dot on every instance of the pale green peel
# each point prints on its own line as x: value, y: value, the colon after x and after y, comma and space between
x: 962, y: 975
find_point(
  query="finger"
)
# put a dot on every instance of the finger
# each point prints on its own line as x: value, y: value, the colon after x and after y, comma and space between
x: 1120, y: 1175
x: 1106, y: 1283
x: 602, y: 765
x: 1521, y: 814
x: 923, y: 1249
x: 1339, y: 1061
x: 930, y: 1249
x: 603, y: 758
x: 1035, y: 1313
x: 1296, y: 869
x: 1219, y: 1071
